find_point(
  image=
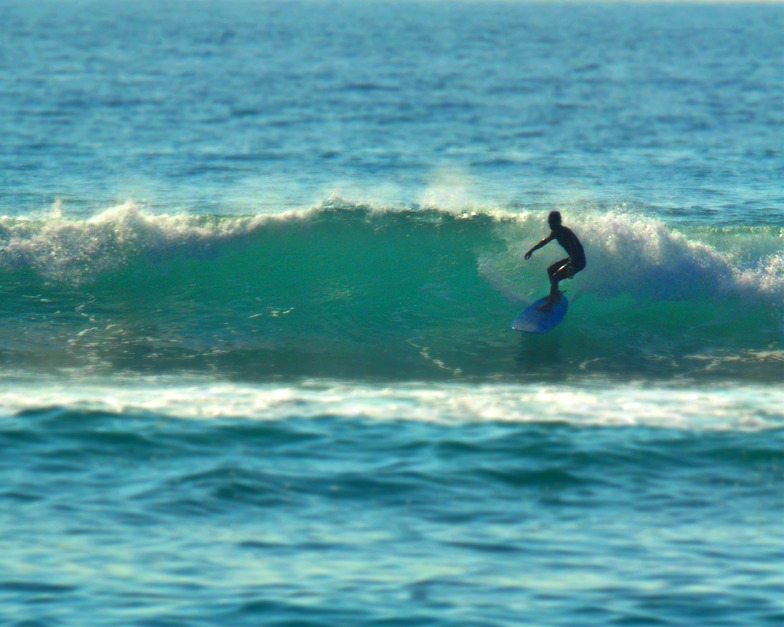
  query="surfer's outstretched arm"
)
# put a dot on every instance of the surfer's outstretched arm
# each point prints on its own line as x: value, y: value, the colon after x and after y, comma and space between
x: 544, y: 242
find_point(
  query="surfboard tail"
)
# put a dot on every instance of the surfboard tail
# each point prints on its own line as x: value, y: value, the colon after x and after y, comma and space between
x: 535, y: 320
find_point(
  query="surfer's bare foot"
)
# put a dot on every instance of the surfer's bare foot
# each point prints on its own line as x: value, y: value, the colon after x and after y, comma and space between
x: 548, y: 306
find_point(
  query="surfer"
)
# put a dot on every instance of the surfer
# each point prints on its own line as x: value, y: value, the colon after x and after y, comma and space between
x: 565, y: 268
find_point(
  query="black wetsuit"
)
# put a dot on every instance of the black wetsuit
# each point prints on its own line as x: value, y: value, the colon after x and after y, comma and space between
x: 569, y: 242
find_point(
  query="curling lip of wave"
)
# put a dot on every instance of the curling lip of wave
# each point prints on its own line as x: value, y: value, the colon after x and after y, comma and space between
x: 627, y: 252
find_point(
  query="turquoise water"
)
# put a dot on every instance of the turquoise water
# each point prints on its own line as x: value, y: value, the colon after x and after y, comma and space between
x: 336, y: 515
x: 398, y: 294
x: 259, y: 261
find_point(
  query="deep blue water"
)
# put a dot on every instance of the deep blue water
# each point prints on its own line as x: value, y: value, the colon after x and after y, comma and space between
x: 254, y: 106
x: 258, y: 261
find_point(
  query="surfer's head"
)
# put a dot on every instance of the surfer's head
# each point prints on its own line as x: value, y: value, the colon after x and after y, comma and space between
x: 554, y: 220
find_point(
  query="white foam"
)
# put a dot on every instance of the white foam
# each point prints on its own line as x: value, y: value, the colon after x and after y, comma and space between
x: 703, y: 408
x: 630, y: 253
x: 72, y: 250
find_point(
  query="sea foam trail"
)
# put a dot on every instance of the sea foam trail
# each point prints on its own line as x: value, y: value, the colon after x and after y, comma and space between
x: 342, y: 289
x: 750, y: 408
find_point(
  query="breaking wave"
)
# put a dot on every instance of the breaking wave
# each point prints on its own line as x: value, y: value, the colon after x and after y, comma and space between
x: 352, y: 290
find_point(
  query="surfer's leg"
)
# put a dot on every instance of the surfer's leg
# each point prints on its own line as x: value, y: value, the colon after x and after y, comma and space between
x: 556, y: 268
x: 563, y: 271
x: 557, y: 272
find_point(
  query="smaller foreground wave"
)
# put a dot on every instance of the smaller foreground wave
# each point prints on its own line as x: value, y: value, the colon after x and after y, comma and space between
x: 742, y: 408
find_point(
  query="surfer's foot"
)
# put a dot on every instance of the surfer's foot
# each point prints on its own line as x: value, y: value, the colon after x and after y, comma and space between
x: 548, y: 306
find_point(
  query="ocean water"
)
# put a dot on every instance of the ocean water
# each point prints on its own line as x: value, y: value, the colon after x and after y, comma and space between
x: 258, y: 264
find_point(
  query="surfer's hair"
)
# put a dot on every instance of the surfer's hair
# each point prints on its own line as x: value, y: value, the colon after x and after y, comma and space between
x: 554, y: 217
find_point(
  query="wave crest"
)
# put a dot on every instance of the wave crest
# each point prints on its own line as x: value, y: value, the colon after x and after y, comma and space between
x: 357, y: 289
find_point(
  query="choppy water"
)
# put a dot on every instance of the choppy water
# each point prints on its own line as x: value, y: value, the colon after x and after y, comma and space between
x: 333, y: 514
x: 258, y: 263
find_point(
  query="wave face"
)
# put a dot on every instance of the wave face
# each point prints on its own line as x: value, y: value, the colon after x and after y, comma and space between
x: 345, y: 290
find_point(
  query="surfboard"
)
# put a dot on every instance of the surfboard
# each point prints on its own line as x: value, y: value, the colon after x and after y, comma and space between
x: 531, y: 320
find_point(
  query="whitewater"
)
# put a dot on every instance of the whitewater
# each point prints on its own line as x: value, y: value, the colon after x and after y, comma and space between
x: 258, y: 266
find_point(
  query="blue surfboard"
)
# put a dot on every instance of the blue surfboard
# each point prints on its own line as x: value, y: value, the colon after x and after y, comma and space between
x: 531, y: 320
